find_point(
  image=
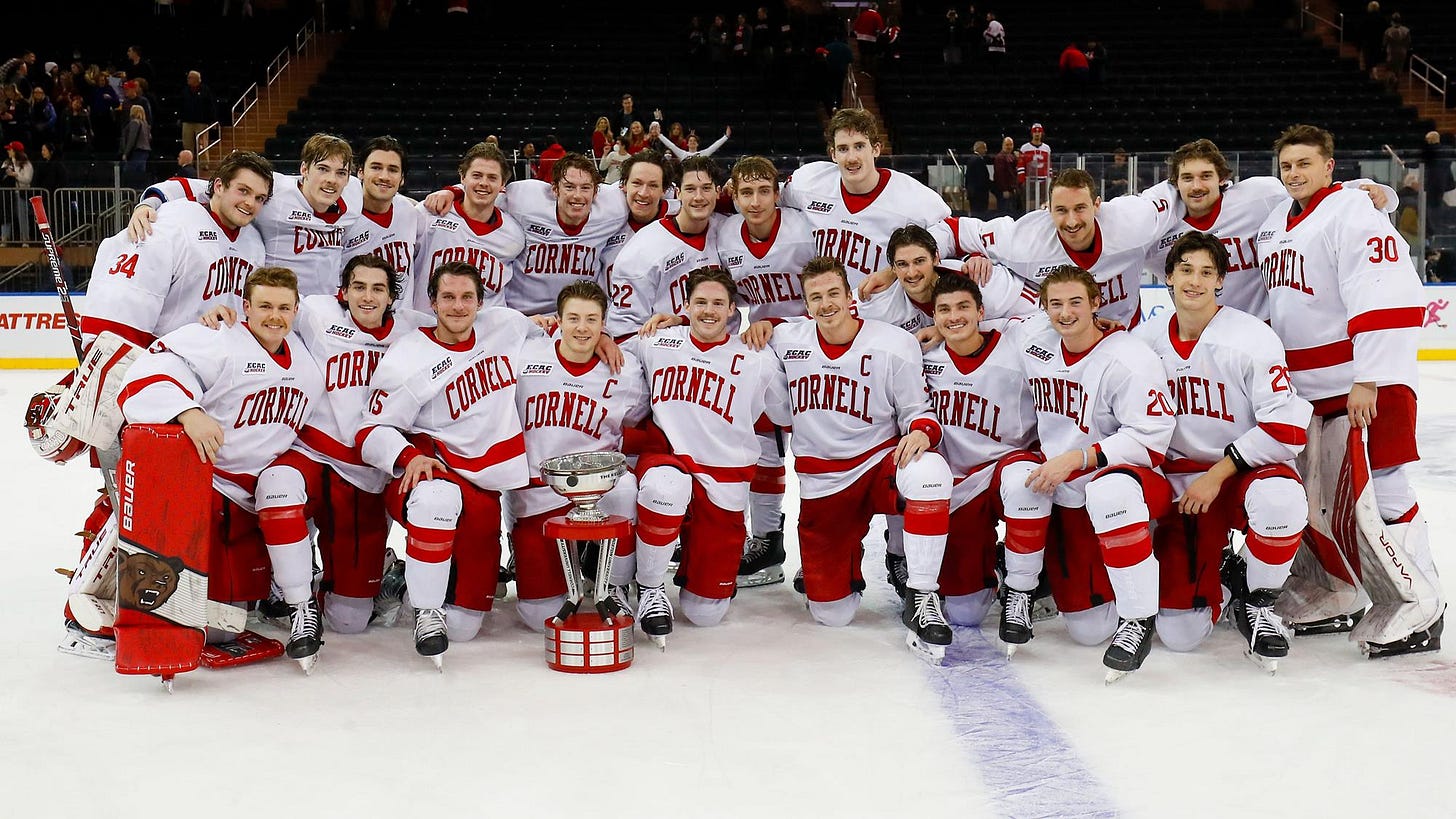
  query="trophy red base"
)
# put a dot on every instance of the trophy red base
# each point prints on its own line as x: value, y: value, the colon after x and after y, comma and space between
x: 584, y: 641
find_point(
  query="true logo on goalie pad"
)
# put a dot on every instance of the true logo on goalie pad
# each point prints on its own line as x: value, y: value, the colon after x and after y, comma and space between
x: 147, y: 581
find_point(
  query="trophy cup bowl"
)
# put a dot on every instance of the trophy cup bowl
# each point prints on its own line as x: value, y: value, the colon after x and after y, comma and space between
x: 583, y: 478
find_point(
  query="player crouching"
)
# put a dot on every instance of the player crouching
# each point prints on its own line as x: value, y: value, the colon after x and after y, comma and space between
x: 1238, y: 418
x: 863, y: 433
x: 1100, y: 405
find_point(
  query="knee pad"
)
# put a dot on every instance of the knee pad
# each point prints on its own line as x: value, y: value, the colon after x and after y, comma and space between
x: 702, y: 611
x: 1115, y: 500
x: 968, y: 609
x: 836, y: 612
x: 1093, y: 626
x: 925, y: 478
x: 347, y: 615
x: 434, y: 504
x: 280, y: 486
x: 1394, y: 495
x: 622, y: 499
x: 462, y: 624
x: 665, y: 490
x: 1184, y: 629
x: 535, y: 613
x: 1017, y: 499
x: 1277, y: 507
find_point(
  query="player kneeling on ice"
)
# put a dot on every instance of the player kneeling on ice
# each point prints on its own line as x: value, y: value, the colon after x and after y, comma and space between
x: 1240, y: 425
x: 863, y: 433
x: 708, y: 391
x: 569, y: 402
x: 988, y: 424
x: 241, y: 394
x: 1101, y: 408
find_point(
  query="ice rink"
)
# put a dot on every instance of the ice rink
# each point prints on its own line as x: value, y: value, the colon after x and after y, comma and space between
x: 765, y: 715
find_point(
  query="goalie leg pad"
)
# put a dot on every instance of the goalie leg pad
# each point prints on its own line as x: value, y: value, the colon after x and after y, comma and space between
x: 87, y: 410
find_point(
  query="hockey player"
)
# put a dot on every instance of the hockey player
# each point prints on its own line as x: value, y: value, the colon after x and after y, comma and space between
x: 390, y: 222
x: 863, y: 431
x: 649, y: 276
x: 303, y: 225
x: 708, y: 390
x: 569, y: 401
x: 1201, y: 191
x: 1104, y: 423
x: 1034, y: 167
x: 646, y: 179
x: 242, y: 394
x: 987, y: 424
x: 763, y: 247
x: 441, y: 418
x: 1240, y: 425
x: 323, y: 477
x: 1345, y: 298
x: 473, y: 230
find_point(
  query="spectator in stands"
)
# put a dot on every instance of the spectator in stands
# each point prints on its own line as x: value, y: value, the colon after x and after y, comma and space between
x: 693, y: 149
x: 1407, y: 211
x: 1397, y: 44
x: 14, y: 124
x: 611, y: 163
x: 1371, y: 37
x: 136, y: 148
x: 636, y: 137
x: 995, y: 39
x: 11, y: 67
x: 49, y: 76
x: 697, y: 42
x: 186, y: 165
x: 530, y: 160
x: 837, y: 59
x: 1440, y: 264
x: 139, y: 68
x: 1117, y: 174
x: 1436, y: 159
x: 742, y: 42
x: 21, y: 79
x: 65, y: 91
x: 719, y: 38
x: 601, y: 137
x: 132, y: 97
x: 552, y: 152
x: 952, y: 39
x: 978, y: 181
x: 676, y: 136
x: 764, y: 37
x: 629, y: 115
x: 1096, y: 62
x: 49, y: 173
x: 76, y: 133
x: 17, y: 167
x: 42, y: 117
x: 102, y: 103
x: 867, y: 29
x: 197, y: 109
x: 1004, y: 178
x: 1073, y: 68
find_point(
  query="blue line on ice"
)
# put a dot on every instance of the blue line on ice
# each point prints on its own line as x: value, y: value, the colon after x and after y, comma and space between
x: 1027, y: 763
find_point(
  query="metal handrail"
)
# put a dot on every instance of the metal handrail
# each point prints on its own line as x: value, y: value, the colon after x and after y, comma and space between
x: 247, y: 101
x: 1338, y: 26
x: 1424, y: 74
x: 277, y: 66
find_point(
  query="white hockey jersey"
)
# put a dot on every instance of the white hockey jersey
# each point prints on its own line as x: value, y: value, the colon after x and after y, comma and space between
x: 984, y: 409
x: 1230, y: 386
x: 174, y: 188
x: 557, y: 255
x: 613, y: 246
x: 854, y: 228
x: 767, y: 272
x: 260, y: 400
x: 390, y: 236
x: 454, y: 402
x: 1032, y: 248
x: 348, y: 355
x: 706, y: 400
x: 651, y: 273
x: 851, y: 403
x: 1111, y: 396
x: 492, y: 246
x: 190, y: 264
x: 1005, y: 297
x: 310, y: 244
x: 1343, y: 294
x: 567, y: 407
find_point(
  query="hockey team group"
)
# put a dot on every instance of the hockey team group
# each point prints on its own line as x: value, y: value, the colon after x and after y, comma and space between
x: 346, y: 359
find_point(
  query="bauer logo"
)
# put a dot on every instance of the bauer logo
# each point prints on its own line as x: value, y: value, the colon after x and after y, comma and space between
x: 207, y: 236
x: 820, y: 207
x: 1044, y: 355
x: 357, y: 240
x: 254, y: 368
x: 340, y: 331
x: 443, y: 366
x: 797, y: 355
x: 539, y: 230
x: 537, y: 369
x: 300, y: 216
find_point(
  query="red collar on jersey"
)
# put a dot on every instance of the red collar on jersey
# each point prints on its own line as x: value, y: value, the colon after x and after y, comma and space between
x: 382, y: 219
x: 457, y: 347
x: 232, y: 233
x: 479, y: 228
x: 282, y: 358
x: 1071, y: 358
x: 856, y: 202
x: 836, y: 350
x: 698, y: 241
x: 378, y: 333
x: 1205, y: 222
x: 708, y: 345
x: 572, y: 230
x: 761, y: 249
x: 1085, y: 258
x: 926, y: 307
x: 334, y: 211
x: 573, y: 367
x: 1184, y: 349
x: 1296, y: 215
x: 968, y: 364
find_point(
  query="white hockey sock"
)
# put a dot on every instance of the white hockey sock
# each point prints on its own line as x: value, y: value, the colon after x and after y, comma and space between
x: 923, y: 556
x: 426, y: 582
x: 895, y: 535
x: 652, y: 562
x: 1136, y: 588
x: 765, y: 512
x: 1261, y: 575
x: 293, y: 570
x: 1023, y: 569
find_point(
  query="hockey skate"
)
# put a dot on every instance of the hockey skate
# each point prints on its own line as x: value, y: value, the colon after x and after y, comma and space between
x: 505, y: 577
x: 430, y: 637
x: 654, y: 613
x: 273, y: 610
x: 83, y: 643
x: 306, y: 635
x: 928, y: 632
x: 391, y: 590
x: 763, y: 561
x: 1254, y: 617
x: 1130, y: 646
x: 1339, y: 624
x: 897, y: 573
x: 1427, y: 639
x: 1016, y: 626
x: 619, y: 598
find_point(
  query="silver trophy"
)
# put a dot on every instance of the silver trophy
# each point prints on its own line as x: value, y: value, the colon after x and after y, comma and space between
x: 583, y: 478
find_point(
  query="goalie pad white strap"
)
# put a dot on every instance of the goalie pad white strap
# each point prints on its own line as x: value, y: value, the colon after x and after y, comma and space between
x: 87, y: 410
x: 1312, y: 591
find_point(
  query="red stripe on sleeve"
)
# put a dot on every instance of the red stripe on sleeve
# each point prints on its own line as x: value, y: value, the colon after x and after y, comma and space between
x: 1393, y: 318
x: 137, y: 386
x: 96, y: 326
x: 1325, y: 355
x: 1286, y: 434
